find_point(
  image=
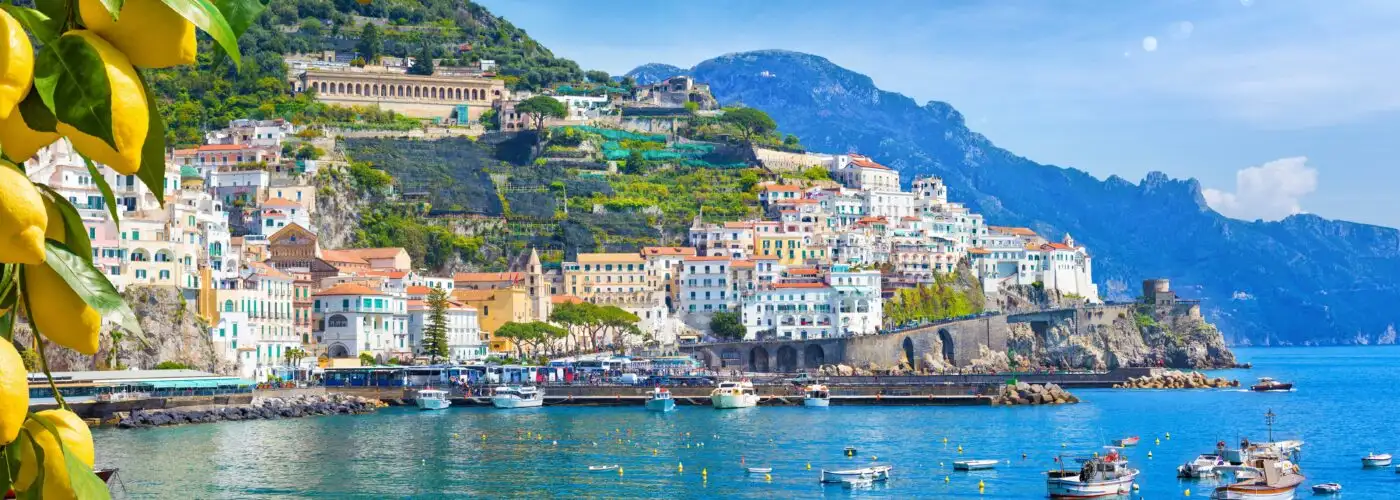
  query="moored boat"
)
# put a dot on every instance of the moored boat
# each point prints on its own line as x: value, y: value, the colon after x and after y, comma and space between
x: 1262, y: 478
x: 872, y: 473
x: 432, y: 399
x: 1098, y: 477
x: 1202, y: 467
x: 1376, y: 460
x: 1327, y: 489
x: 733, y: 395
x: 597, y: 468
x: 661, y: 400
x: 759, y: 470
x: 974, y: 464
x: 1125, y: 442
x: 1267, y: 384
x: 515, y: 396
x: 816, y: 395
x: 1287, y: 449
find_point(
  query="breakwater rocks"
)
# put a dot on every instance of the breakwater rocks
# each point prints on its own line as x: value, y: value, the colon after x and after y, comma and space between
x: 1033, y: 394
x: 259, y: 409
x: 1176, y: 379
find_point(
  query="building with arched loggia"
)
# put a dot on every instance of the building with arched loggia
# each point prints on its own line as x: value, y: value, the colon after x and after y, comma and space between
x: 443, y: 96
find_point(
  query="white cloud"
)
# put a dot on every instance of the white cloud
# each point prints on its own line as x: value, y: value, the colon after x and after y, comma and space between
x: 1149, y: 43
x: 1182, y: 30
x: 1270, y: 191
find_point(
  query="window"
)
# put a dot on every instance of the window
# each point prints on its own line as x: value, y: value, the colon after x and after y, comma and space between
x: 337, y: 321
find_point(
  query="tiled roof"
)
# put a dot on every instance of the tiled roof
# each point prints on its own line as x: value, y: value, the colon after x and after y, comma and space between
x: 280, y: 202
x: 668, y: 251
x: 738, y: 225
x: 742, y: 263
x: 267, y: 270
x: 589, y: 258
x: 391, y: 274
x: 341, y: 256
x: 871, y: 220
x: 802, y: 271
x: 866, y: 162
x: 978, y: 251
x: 418, y: 290
x: 347, y: 289
x: 471, y: 295
x: 223, y: 147
x: 564, y: 299
x: 376, y: 253
x: 1018, y: 231
x: 478, y: 277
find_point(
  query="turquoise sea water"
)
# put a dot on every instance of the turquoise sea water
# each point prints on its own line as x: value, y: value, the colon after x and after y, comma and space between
x: 1344, y: 406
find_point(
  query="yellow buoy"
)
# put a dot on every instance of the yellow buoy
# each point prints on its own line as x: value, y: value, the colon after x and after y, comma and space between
x: 1149, y: 454
x: 454, y: 435
x: 945, y: 439
x: 653, y: 451
x: 945, y: 479
x: 959, y: 448
x: 1062, y: 445
x: 619, y: 471
x: 483, y: 437
x: 1158, y: 441
x: 1188, y: 492
x: 680, y: 467
x: 809, y: 465
x: 768, y: 477
x: 704, y: 472
x: 1096, y: 454
x: 1169, y: 435
x: 873, y: 457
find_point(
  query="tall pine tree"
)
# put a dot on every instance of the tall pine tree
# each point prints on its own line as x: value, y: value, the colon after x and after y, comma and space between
x: 435, y: 329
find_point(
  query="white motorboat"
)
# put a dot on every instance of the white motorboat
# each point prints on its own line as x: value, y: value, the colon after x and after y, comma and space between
x: 760, y: 470
x: 857, y: 482
x: 1202, y: 467
x: 872, y: 473
x: 733, y: 395
x: 1268, y: 478
x: 432, y: 399
x: 515, y: 396
x: 597, y: 468
x: 1098, y: 477
x: 1375, y: 460
x: 1327, y: 489
x: 816, y: 395
x: 975, y: 464
x: 1286, y: 449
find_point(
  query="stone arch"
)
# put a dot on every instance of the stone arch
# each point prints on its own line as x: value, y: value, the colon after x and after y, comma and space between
x: 813, y: 356
x: 357, y: 89
x: 140, y: 255
x: 163, y: 255
x: 908, y: 347
x: 340, y: 88
x: 949, y: 347
x: 374, y: 90
x: 787, y: 359
x: 432, y: 92
x: 458, y: 94
x: 758, y: 359
x: 338, y: 350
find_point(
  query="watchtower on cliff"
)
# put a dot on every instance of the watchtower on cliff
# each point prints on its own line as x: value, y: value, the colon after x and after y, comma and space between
x: 1157, y: 292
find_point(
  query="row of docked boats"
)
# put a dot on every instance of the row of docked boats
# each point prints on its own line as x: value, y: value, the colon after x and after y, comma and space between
x: 508, y: 396
x: 728, y: 394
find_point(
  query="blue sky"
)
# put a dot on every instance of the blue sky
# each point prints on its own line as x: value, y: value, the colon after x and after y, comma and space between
x: 1277, y: 106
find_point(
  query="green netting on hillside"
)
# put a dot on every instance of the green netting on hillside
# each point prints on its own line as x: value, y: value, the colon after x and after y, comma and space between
x: 616, y: 135
x: 571, y: 90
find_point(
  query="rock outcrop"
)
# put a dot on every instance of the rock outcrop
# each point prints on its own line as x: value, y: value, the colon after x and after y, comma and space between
x: 1128, y: 336
x: 1174, y: 379
x: 259, y: 409
x: 1032, y: 394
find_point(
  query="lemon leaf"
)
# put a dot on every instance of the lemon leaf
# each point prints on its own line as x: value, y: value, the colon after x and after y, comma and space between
x: 26, y: 439
x: 37, y: 23
x: 91, y: 285
x: 74, y: 232
x: 36, y: 115
x: 106, y: 189
x: 85, y: 482
x: 114, y: 7
x: 5, y: 479
x: 152, y: 171
x: 241, y: 13
x: 53, y: 9
x: 208, y: 18
x: 72, y: 80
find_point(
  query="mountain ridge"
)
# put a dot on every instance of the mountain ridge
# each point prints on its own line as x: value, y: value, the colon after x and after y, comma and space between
x: 1300, y: 280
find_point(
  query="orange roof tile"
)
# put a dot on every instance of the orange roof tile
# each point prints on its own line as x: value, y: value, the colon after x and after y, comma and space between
x: 471, y: 295
x: 341, y: 256
x: 978, y: 251
x: 707, y: 258
x: 415, y: 305
x: 376, y: 253
x: 1059, y: 246
x: 189, y: 151
x: 280, y: 202
x: 866, y: 162
x: 668, y: 251
x: 738, y: 225
x: 564, y: 299
x: 871, y: 220
x: 391, y: 273
x: 347, y: 289
x: 742, y: 263
x: 222, y: 147
x: 267, y: 270
x: 418, y: 290
x: 802, y: 271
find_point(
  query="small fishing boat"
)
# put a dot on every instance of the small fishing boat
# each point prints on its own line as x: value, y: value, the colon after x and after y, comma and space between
x: 597, y: 468
x: 1287, y: 449
x: 760, y: 470
x: 1327, y: 489
x: 661, y: 400
x: 733, y: 395
x: 515, y: 396
x: 1267, y: 384
x: 975, y: 464
x: 1262, y: 478
x: 1126, y: 442
x: 1202, y: 467
x: 1376, y: 460
x: 816, y: 395
x: 432, y: 399
x: 873, y: 473
x: 1097, y: 477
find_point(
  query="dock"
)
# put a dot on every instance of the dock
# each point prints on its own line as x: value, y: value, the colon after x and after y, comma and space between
x: 784, y: 400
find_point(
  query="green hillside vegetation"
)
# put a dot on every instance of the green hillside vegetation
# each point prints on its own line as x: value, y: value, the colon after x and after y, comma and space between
x: 949, y: 296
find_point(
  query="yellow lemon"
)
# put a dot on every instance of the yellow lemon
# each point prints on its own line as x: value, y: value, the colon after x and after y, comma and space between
x: 76, y: 437
x: 61, y: 314
x: 56, y: 226
x: 22, y: 218
x: 150, y: 33
x: 14, y: 392
x: 19, y: 141
x: 16, y: 64
x: 130, y: 118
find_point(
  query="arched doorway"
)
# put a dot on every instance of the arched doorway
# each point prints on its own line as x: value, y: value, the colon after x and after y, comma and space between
x: 758, y: 359
x: 787, y: 359
x: 813, y: 356
x: 949, y: 352
x: 338, y: 351
x: 908, y: 345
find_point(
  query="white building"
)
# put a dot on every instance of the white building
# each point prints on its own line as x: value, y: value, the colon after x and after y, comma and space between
x: 352, y: 319
x: 704, y: 285
x: 860, y: 172
x: 844, y: 303
x: 463, y: 330
x: 734, y: 240
x: 1017, y: 256
x: 255, y: 327
x: 277, y: 213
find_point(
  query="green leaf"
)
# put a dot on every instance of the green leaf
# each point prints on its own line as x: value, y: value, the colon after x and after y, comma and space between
x: 114, y: 7
x: 36, y: 115
x: 110, y: 199
x: 90, y: 284
x: 5, y: 480
x: 152, y: 172
x: 72, y: 80
x: 73, y: 230
x: 208, y: 18
x: 241, y: 13
x: 26, y: 439
x: 43, y: 27
x: 53, y: 9
x: 86, y: 484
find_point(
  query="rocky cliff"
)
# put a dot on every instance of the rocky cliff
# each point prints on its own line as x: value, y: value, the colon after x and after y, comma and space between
x: 172, y: 332
x: 1134, y: 336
